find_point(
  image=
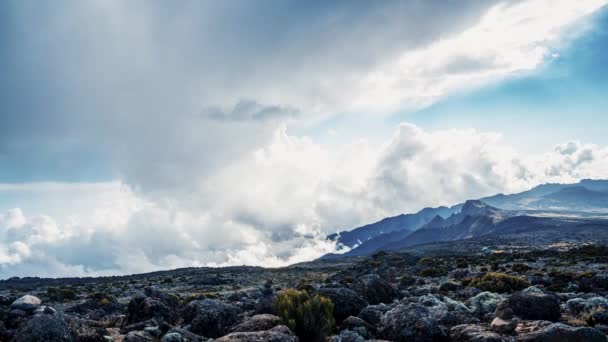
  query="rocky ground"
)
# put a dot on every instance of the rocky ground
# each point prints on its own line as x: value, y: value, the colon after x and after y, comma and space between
x: 494, y: 295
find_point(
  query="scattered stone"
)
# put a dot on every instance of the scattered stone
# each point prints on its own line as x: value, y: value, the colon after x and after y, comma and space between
x: 258, y: 323
x: 210, y: 317
x: 503, y: 326
x: 26, y: 303
x: 535, y: 306
x: 474, y: 333
x: 412, y: 322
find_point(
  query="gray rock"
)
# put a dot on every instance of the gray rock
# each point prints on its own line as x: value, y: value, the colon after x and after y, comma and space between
x: 172, y: 337
x: 276, y: 334
x: 503, y: 310
x: 210, y: 318
x: 143, y: 308
x: 474, y: 333
x: 535, y: 306
x: 503, y: 326
x: 559, y: 332
x: 26, y: 303
x: 374, y: 289
x: 44, y: 328
x: 258, y: 323
x: 137, y: 336
x: 484, y: 302
x: 347, y: 336
x: 412, y: 322
x: 577, y: 306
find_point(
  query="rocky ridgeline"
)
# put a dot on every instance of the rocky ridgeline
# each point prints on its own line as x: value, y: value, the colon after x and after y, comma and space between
x: 533, y: 296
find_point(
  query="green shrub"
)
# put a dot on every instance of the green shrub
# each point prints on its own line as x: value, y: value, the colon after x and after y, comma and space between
x: 406, y: 281
x: 433, y: 272
x: 60, y: 294
x: 499, y: 283
x: 310, y: 318
x: 102, y: 298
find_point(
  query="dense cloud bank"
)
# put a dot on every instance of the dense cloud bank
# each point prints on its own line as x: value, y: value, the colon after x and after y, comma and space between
x: 274, y: 206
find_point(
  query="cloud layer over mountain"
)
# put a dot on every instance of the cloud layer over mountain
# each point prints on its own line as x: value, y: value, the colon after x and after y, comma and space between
x: 274, y: 206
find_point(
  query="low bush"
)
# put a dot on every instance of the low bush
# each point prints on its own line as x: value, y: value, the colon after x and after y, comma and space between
x: 60, y: 294
x: 310, y: 318
x: 499, y: 283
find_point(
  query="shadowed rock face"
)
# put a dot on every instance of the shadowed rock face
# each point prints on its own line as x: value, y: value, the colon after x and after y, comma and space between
x: 427, y: 298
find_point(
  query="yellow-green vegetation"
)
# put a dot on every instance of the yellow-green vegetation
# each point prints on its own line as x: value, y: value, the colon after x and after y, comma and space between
x: 499, y: 283
x: 310, y: 318
x: 102, y: 298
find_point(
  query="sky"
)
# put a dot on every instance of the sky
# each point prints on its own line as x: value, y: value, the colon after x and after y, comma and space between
x: 146, y: 135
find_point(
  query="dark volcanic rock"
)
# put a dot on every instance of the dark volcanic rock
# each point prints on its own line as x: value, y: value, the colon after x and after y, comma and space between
x: 535, y: 306
x: 346, y: 302
x: 143, y: 308
x: 373, y: 313
x: 374, y: 289
x: 411, y: 323
x: 503, y: 311
x: 210, y: 318
x: 258, y: 323
x: 44, y: 328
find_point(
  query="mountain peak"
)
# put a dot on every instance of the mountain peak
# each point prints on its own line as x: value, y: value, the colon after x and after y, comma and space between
x: 474, y: 207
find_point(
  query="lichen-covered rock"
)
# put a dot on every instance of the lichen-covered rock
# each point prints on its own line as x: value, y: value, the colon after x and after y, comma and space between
x: 474, y: 333
x: 413, y: 322
x: 276, y: 334
x: 347, y: 336
x: 258, y: 323
x: 346, y: 302
x: 577, y: 306
x: 210, y: 318
x: 484, y: 303
x: 535, y: 306
x: 559, y: 332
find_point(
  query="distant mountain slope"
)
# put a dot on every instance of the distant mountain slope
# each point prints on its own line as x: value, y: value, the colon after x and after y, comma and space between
x: 402, y: 223
x: 475, y: 218
x: 587, y: 195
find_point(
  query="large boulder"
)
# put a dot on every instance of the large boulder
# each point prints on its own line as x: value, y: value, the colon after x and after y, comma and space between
x: 373, y: 314
x: 474, y: 333
x: 411, y: 323
x: 374, y: 289
x: 535, y: 306
x: 559, y: 332
x: 210, y: 318
x: 26, y: 303
x: 346, y: 302
x: 142, y: 308
x: 484, y: 303
x: 43, y: 327
x: 279, y: 333
x: 258, y: 323
x: 577, y: 306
